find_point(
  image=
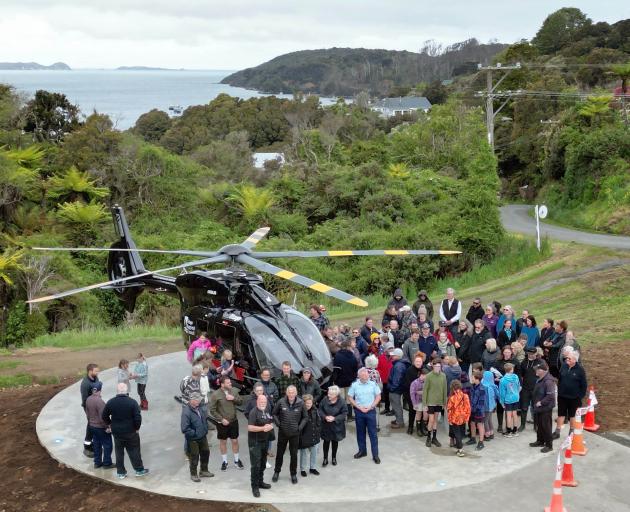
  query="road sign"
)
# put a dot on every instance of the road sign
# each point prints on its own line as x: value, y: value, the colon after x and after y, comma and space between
x: 542, y: 211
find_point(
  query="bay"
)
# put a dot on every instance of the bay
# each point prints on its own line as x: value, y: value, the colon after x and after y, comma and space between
x: 125, y: 95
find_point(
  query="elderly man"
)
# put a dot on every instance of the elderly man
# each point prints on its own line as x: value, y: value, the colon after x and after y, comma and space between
x: 571, y: 388
x: 451, y: 310
x: 396, y: 385
x: 123, y: 415
x: 222, y: 408
x: 194, y: 426
x: 190, y: 384
x: 528, y: 382
x: 290, y: 416
x: 544, y: 402
x: 260, y: 432
x: 364, y: 395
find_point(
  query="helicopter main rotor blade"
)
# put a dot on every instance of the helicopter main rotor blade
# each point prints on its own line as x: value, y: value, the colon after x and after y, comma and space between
x: 255, y: 237
x: 302, y: 280
x: 369, y: 252
x: 205, y: 261
x: 181, y: 252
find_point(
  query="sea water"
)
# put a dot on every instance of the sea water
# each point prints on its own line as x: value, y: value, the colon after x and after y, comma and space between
x: 125, y: 95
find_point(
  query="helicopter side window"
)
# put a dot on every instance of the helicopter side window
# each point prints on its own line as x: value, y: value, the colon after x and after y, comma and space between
x: 225, y: 335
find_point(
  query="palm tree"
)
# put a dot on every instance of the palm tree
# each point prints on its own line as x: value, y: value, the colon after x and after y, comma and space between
x: 595, y: 107
x: 254, y: 203
x: 10, y: 262
x: 74, y: 185
x: 82, y: 219
x: 19, y: 177
x: 399, y: 171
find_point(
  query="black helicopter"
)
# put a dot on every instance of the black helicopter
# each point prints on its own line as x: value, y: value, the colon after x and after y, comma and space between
x: 230, y: 304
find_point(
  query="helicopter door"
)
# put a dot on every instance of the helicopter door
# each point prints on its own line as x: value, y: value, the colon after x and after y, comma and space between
x: 226, y: 336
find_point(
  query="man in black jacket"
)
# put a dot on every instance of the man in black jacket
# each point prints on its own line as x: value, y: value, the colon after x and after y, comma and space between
x: 87, y: 384
x: 475, y: 311
x: 194, y: 426
x: 528, y: 382
x: 123, y: 414
x: 478, y: 342
x: 260, y: 432
x: 345, y: 371
x: 544, y: 402
x: 290, y: 416
x: 571, y: 388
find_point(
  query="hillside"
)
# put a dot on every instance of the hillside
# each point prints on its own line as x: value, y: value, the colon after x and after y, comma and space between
x: 24, y: 66
x: 347, y: 71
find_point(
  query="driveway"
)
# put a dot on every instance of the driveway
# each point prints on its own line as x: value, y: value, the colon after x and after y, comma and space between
x: 516, y: 218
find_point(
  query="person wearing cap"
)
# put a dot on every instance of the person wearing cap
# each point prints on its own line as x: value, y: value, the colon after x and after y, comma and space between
x: 443, y: 327
x: 364, y: 395
x: 101, y: 433
x: 544, y: 399
x: 122, y: 414
x: 427, y: 343
x: 384, y: 369
x: 309, y: 385
x: 434, y: 396
x: 397, y: 386
x: 194, y: 426
x: 423, y: 300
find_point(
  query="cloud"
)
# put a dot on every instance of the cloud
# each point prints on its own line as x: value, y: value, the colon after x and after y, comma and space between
x: 242, y: 33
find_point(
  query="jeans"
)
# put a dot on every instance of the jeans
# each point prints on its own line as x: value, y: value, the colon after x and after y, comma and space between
x: 293, y: 442
x: 395, y: 401
x: 258, y: 461
x: 310, y: 452
x: 141, y: 391
x: 198, y: 450
x: 366, y: 420
x: 130, y: 442
x: 102, y: 445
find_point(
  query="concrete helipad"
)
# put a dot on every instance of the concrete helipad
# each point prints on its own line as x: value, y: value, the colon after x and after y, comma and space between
x: 409, y: 471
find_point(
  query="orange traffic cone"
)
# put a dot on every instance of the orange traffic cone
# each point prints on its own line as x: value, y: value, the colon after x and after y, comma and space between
x: 589, y: 420
x: 556, y: 504
x: 578, y: 447
x: 567, y: 470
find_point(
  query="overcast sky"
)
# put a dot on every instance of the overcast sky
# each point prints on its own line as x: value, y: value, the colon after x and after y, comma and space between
x: 233, y: 34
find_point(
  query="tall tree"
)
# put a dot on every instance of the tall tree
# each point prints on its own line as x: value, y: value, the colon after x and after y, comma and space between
x: 559, y: 29
x: 50, y: 116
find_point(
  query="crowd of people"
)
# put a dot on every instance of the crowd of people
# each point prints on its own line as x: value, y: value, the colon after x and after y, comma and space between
x: 434, y: 362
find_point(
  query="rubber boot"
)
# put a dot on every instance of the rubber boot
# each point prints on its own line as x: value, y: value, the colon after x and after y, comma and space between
x: 423, y: 428
x: 523, y: 421
x: 410, y: 429
x: 419, y: 428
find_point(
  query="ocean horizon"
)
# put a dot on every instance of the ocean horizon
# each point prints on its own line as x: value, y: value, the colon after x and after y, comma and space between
x: 125, y: 95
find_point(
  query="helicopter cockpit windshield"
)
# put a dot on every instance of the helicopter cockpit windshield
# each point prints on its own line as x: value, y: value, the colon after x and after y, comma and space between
x: 298, y: 342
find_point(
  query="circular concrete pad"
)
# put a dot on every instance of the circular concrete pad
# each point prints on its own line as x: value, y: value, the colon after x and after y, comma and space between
x: 408, y: 466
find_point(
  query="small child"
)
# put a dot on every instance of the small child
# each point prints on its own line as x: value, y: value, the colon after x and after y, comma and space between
x: 227, y: 364
x: 477, y: 410
x: 141, y: 371
x: 124, y: 375
x: 509, y: 393
x: 204, y: 383
x: 458, y: 409
x: 415, y: 392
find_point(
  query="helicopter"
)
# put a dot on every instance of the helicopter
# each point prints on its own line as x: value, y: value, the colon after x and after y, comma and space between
x: 231, y: 305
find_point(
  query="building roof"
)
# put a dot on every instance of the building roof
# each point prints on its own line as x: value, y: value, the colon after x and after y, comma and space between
x: 404, y: 103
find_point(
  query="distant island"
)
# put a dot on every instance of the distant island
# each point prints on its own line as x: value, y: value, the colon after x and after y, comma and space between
x: 145, y: 68
x: 27, y: 66
x: 347, y: 71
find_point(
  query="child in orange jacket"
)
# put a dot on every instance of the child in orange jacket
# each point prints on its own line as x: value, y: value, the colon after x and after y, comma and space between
x: 458, y: 409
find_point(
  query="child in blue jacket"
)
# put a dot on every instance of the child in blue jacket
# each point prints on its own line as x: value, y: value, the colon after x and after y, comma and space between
x: 509, y: 396
x: 478, y: 409
x: 492, y: 396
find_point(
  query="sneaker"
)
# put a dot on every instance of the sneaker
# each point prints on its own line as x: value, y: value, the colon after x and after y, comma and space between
x: 314, y: 472
x: 479, y: 446
x: 461, y: 453
x: 121, y: 476
x: 264, y: 485
x: 239, y: 464
x: 500, y: 430
x: 205, y: 474
x: 506, y: 433
x: 109, y: 466
x: 195, y: 478
x: 435, y: 442
x: 255, y: 492
x: 490, y: 437
x: 142, y: 472
x: 304, y: 473
x: 471, y: 442
x: 514, y: 433
x: 224, y: 466
x: 546, y: 449
x: 536, y: 444
x: 555, y: 435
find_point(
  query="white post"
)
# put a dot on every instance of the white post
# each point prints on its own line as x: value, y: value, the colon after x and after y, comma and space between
x: 537, y: 229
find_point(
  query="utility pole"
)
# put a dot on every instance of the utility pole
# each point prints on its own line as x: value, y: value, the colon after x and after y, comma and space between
x: 489, y: 94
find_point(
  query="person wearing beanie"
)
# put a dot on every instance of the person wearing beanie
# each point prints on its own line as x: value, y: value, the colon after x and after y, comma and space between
x: 434, y: 395
x: 309, y: 385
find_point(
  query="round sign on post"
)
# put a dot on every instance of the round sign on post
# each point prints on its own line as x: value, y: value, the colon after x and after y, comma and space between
x: 542, y: 211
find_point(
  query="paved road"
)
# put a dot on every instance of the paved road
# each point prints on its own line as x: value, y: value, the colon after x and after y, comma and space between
x: 515, y: 218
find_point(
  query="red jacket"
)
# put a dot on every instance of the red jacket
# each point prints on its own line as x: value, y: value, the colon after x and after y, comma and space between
x: 384, y: 367
x: 449, y: 335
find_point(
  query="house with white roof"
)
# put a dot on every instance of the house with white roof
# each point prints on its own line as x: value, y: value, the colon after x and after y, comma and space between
x: 390, y: 107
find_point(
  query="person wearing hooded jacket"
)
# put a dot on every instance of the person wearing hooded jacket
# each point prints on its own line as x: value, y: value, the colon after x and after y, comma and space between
x: 528, y: 379
x: 398, y: 299
x: 345, y: 371
x: 478, y: 342
x: 423, y: 299
x: 397, y: 386
x: 555, y: 345
x: 492, y: 395
x: 544, y: 401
